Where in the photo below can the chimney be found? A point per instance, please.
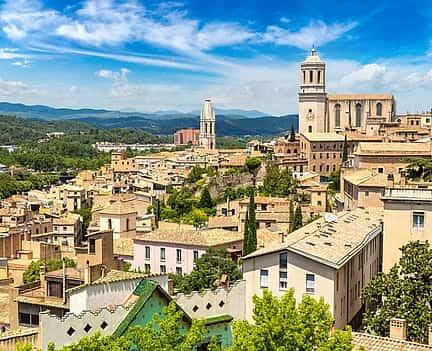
(398, 329)
(430, 335)
(42, 272)
(403, 178)
(87, 277)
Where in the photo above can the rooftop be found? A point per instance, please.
(323, 136)
(379, 343)
(187, 235)
(331, 239)
(410, 194)
(360, 96)
(366, 177)
(119, 208)
(393, 149)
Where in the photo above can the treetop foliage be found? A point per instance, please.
(32, 273)
(404, 292)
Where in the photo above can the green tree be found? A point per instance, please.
(85, 214)
(334, 180)
(252, 246)
(308, 328)
(246, 240)
(195, 174)
(252, 165)
(345, 150)
(404, 292)
(298, 218)
(278, 182)
(32, 273)
(292, 135)
(419, 168)
(198, 217)
(207, 270)
(205, 199)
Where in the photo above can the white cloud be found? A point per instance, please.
(315, 33)
(24, 63)
(21, 17)
(120, 76)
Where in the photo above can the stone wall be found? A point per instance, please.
(216, 302)
(71, 328)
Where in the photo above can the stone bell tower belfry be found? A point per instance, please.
(312, 95)
(207, 136)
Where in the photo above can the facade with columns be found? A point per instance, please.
(207, 136)
(321, 112)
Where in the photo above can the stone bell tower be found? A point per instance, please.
(312, 95)
(207, 136)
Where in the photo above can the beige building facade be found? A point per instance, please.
(331, 258)
(407, 217)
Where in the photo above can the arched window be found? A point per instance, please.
(337, 115)
(319, 76)
(310, 129)
(304, 76)
(358, 115)
(310, 76)
(109, 223)
(379, 109)
(127, 224)
(211, 131)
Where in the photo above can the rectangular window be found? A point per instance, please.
(418, 220)
(162, 269)
(310, 283)
(179, 271)
(195, 255)
(147, 252)
(92, 245)
(380, 170)
(264, 278)
(283, 260)
(147, 268)
(283, 280)
(162, 254)
(178, 256)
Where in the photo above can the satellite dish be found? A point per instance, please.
(330, 217)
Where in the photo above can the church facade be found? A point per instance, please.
(321, 112)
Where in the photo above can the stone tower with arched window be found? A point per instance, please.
(207, 136)
(312, 95)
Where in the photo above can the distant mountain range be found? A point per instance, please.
(232, 122)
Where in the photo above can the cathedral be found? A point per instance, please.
(321, 112)
(207, 135)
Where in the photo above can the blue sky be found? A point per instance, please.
(151, 55)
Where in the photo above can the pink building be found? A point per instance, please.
(186, 136)
(173, 248)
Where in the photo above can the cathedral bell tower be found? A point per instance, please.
(312, 95)
(207, 136)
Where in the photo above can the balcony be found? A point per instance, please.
(414, 194)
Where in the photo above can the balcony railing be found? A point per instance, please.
(408, 193)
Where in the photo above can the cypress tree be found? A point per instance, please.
(252, 223)
(291, 216)
(205, 199)
(292, 135)
(246, 235)
(345, 150)
(298, 218)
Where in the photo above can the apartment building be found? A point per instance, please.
(323, 151)
(332, 257)
(407, 217)
(173, 248)
(388, 158)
